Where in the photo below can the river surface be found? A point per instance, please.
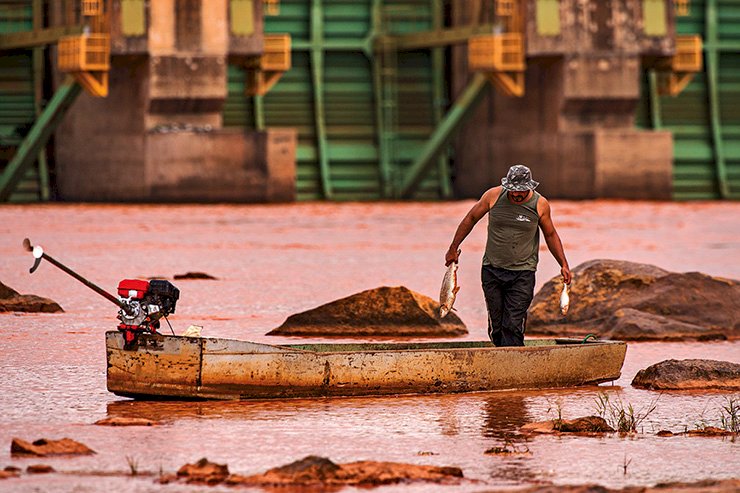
(274, 260)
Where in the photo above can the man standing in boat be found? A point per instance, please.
(516, 213)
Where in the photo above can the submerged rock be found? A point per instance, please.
(9, 474)
(689, 374)
(39, 469)
(384, 311)
(204, 471)
(121, 421)
(631, 301)
(44, 447)
(313, 470)
(194, 275)
(587, 424)
(317, 471)
(710, 431)
(12, 301)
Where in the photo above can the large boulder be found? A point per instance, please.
(384, 311)
(689, 374)
(631, 301)
(12, 301)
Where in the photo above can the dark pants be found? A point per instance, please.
(508, 294)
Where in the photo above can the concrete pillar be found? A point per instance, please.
(158, 137)
(574, 127)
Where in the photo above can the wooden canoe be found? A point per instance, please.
(212, 368)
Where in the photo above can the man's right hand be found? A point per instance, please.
(452, 255)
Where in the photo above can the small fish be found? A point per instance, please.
(564, 300)
(193, 331)
(449, 289)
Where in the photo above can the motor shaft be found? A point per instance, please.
(39, 254)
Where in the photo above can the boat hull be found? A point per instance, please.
(211, 368)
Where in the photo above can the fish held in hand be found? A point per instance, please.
(449, 290)
(564, 300)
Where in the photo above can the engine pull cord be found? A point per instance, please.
(168, 323)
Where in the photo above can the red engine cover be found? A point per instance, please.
(127, 285)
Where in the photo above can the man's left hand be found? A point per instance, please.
(565, 272)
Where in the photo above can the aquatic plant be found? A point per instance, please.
(624, 419)
(729, 415)
(558, 421)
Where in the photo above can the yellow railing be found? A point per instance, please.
(675, 73)
(92, 7)
(87, 52)
(682, 7)
(271, 7)
(688, 53)
(502, 58)
(87, 56)
(505, 8)
(496, 52)
(276, 55)
(264, 71)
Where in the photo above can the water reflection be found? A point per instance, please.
(504, 414)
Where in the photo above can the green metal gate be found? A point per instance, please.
(20, 71)
(705, 117)
(362, 112)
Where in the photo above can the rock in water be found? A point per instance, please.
(689, 374)
(630, 301)
(586, 424)
(12, 301)
(384, 311)
(204, 471)
(317, 471)
(194, 275)
(44, 447)
(122, 421)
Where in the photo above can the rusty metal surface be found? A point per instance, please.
(230, 369)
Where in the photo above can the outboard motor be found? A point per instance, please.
(141, 303)
(145, 302)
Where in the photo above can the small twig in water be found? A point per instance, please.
(625, 464)
(133, 464)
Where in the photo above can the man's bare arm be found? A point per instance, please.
(553, 239)
(470, 220)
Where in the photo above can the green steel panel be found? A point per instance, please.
(344, 83)
(21, 91)
(547, 14)
(238, 108)
(698, 141)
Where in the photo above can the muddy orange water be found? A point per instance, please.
(272, 261)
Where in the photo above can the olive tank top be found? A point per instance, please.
(513, 234)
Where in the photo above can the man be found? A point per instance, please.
(516, 213)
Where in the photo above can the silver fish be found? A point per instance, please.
(449, 290)
(564, 300)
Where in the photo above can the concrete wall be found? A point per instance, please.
(158, 136)
(574, 127)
